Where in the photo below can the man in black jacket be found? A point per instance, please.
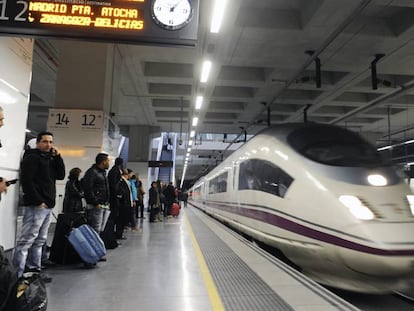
(114, 178)
(40, 168)
(96, 189)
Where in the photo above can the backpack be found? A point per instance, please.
(8, 279)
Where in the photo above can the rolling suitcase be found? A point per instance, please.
(61, 251)
(87, 243)
(175, 209)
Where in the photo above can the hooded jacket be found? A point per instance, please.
(38, 174)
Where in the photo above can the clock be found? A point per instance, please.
(171, 14)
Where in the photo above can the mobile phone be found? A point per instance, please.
(11, 182)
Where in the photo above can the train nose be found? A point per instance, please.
(380, 249)
(377, 265)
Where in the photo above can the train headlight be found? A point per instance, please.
(410, 199)
(377, 180)
(356, 207)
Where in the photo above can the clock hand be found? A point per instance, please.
(174, 6)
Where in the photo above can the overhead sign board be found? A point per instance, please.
(124, 21)
(160, 163)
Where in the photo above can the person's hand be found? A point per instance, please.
(43, 205)
(54, 152)
(3, 185)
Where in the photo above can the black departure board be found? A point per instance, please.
(124, 21)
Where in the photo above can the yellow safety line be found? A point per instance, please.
(208, 280)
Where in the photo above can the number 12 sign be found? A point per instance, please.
(76, 127)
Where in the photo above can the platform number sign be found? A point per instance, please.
(19, 17)
(62, 119)
(88, 119)
(74, 126)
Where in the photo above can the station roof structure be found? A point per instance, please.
(349, 63)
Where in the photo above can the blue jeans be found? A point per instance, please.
(35, 226)
(97, 217)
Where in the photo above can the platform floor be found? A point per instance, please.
(189, 263)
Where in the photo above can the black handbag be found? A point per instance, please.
(8, 280)
(31, 294)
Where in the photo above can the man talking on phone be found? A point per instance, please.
(39, 170)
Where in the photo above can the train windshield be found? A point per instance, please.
(335, 146)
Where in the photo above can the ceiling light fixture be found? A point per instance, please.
(396, 145)
(195, 121)
(218, 13)
(205, 71)
(199, 102)
(192, 134)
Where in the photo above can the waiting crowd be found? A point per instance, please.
(110, 203)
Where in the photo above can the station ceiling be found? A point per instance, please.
(265, 68)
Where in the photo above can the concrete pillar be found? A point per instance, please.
(86, 91)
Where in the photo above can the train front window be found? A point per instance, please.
(263, 176)
(334, 146)
(342, 154)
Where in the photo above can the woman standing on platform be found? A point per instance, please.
(72, 203)
(154, 203)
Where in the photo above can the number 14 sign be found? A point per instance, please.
(73, 126)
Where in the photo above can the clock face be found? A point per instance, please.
(171, 14)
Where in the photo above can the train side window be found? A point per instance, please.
(218, 184)
(263, 176)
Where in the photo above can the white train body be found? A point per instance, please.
(289, 188)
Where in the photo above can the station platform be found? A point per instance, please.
(188, 263)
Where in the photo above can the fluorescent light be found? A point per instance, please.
(396, 145)
(199, 102)
(187, 154)
(218, 13)
(189, 149)
(190, 142)
(205, 71)
(384, 148)
(192, 134)
(195, 121)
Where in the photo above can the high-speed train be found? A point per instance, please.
(325, 198)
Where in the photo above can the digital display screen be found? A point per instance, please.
(126, 21)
